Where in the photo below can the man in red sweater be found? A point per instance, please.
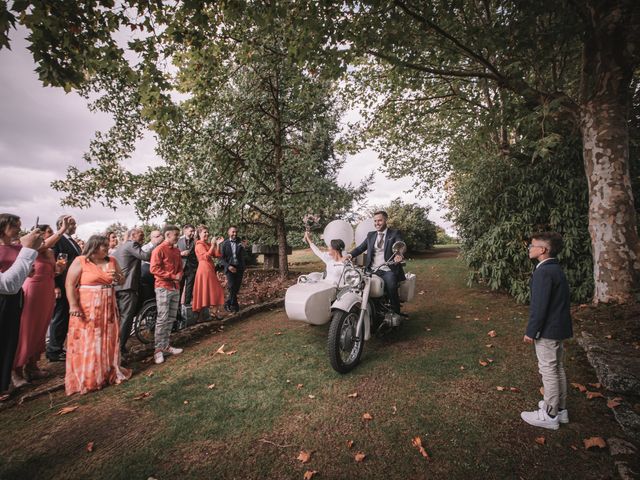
(166, 267)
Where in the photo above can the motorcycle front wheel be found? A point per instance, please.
(344, 348)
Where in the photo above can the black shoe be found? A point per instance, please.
(227, 308)
(57, 357)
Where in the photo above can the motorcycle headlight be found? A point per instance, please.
(352, 277)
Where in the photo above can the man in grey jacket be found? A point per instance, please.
(129, 255)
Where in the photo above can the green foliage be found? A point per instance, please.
(499, 201)
(418, 232)
(443, 238)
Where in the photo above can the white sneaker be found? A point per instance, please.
(158, 358)
(540, 418)
(173, 351)
(563, 415)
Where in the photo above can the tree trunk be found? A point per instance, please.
(604, 109)
(281, 232)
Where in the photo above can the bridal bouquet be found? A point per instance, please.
(311, 221)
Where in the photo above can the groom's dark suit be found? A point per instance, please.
(395, 273)
(60, 321)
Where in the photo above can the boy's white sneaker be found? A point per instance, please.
(173, 351)
(540, 418)
(563, 415)
(158, 358)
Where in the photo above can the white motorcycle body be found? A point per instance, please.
(349, 300)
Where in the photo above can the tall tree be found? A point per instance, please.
(572, 60)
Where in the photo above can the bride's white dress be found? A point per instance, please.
(334, 269)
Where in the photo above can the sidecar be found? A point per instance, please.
(310, 299)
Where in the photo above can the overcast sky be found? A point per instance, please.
(44, 130)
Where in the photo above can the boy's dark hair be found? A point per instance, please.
(170, 228)
(553, 239)
(337, 244)
(383, 213)
(187, 225)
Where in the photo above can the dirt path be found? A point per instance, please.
(248, 414)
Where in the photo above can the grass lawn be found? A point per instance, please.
(277, 395)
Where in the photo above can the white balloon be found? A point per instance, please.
(362, 229)
(338, 229)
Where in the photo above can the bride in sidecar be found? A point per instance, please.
(332, 258)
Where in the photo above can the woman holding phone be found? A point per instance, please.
(93, 347)
(39, 301)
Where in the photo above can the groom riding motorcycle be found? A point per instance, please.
(378, 246)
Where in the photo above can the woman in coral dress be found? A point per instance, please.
(39, 301)
(207, 291)
(93, 348)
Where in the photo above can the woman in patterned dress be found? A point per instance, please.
(93, 351)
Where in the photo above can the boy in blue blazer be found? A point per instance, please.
(549, 324)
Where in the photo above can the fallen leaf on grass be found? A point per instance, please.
(312, 397)
(417, 442)
(489, 345)
(186, 402)
(353, 395)
(579, 386)
(594, 442)
(608, 337)
(514, 389)
(458, 316)
(614, 402)
(492, 334)
(65, 410)
(90, 447)
(421, 292)
(278, 333)
(299, 386)
(349, 443)
(367, 416)
(231, 352)
(304, 456)
(221, 349)
(309, 474)
(142, 395)
(501, 389)
(394, 410)
(150, 374)
(592, 395)
(483, 363)
(212, 386)
(540, 440)
(360, 456)
(595, 385)
(461, 367)
(573, 447)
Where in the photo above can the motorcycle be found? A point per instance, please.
(355, 309)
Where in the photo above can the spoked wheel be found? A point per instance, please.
(145, 323)
(343, 346)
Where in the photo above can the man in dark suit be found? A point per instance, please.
(233, 262)
(129, 256)
(187, 246)
(378, 246)
(60, 321)
(549, 324)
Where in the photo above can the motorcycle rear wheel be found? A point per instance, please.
(343, 347)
